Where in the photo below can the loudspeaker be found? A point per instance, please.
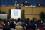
(9, 14)
(22, 14)
(10, 11)
(0, 11)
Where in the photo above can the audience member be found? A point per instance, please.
(26, 24)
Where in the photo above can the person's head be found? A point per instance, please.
(27, 19)
(19, 19)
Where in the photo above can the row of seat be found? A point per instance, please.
(23, 24)
(12, 2)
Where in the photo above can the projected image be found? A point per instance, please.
(3, 16)
(15, 13)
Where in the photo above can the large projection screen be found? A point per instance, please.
(15, 13)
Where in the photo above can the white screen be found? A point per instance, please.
(3, 16)
(15, 13)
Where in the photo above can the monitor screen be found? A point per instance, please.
(3, 16)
